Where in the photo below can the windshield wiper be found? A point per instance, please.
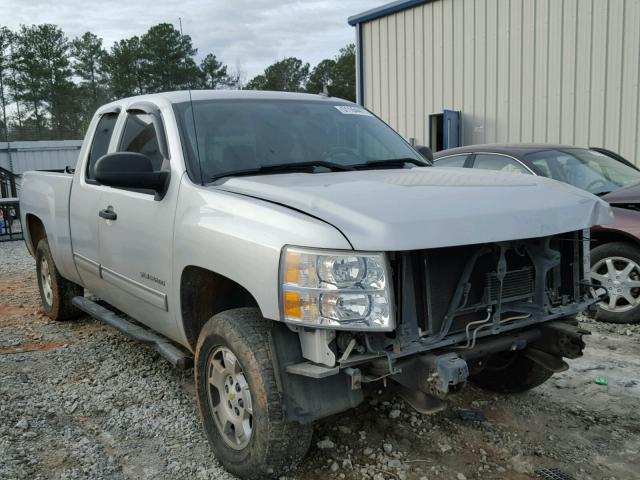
(392, 163)
(284, 168)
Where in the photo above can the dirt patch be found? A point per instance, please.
(31, 347)
(7, 311)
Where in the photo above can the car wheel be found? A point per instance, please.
(616, 268)
(239, 401)
(56, 292)
(510, 372)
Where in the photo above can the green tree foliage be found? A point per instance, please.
(159, 61)
(42, 76)
(321, 75)
(215, 75)
(344, 79)
(288, 75)
(123, 66)
(167, 59)
(339, 75)
(89, 55)
(6, 39)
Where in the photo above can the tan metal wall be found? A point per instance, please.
(553, 71)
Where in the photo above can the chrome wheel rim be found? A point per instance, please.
(45, 281)
(620, 277)
(229, 398)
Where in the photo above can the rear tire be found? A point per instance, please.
(56, 292)
(510, 372)
(622, 255)
(235, 375)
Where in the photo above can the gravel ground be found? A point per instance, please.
(79, 400)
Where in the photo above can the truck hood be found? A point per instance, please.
(387, 210)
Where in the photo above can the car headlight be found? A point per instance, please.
(336, 289)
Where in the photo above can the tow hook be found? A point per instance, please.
(426, 379)
(448, 370)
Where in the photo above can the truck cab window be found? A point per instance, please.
(140, 136)
(101, 139)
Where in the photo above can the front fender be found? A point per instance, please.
(241, 238)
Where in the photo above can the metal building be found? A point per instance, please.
(18, 157)
(550, 71)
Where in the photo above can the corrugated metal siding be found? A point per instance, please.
(552, 71)
(42, 155)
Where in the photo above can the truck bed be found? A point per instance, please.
(46, 195)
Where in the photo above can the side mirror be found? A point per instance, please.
(424, 151)
(131, 170)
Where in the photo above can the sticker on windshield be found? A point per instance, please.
(348, 110)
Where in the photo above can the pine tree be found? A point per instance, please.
(6, 39)
(167, 59)
(123, 66)
(288, 75)
(215, 74)
(42, 78)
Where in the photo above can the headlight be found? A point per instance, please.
(334, 289)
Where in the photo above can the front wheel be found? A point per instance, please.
(56, 292)
(238, 398)
(615, 267)
(510, 372)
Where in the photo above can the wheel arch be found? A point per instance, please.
(601, 237)
(35, 232)
(205, 293)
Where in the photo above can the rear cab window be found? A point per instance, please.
(100, 142)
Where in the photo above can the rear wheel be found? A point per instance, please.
(238, 398)
(616, 267)
(56, 292)
(510, 372)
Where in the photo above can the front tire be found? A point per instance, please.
(238, 398)
(56, 292)
(616, 267)
(510, 372)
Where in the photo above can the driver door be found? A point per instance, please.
(136, 242)
(85, 200)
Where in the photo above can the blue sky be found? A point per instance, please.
(246, 34)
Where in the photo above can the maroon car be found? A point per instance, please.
(615, 253)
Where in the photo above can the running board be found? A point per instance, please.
(163, 346)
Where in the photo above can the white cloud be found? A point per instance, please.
(249, 33)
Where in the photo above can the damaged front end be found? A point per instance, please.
(460, 312)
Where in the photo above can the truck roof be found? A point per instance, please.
(183, 96)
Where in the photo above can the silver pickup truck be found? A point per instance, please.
(296, 251)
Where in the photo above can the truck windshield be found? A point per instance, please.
(243, 135)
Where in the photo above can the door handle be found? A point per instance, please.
(108, 213)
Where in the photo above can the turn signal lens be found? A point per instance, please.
(292, 305)
(300, 306)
